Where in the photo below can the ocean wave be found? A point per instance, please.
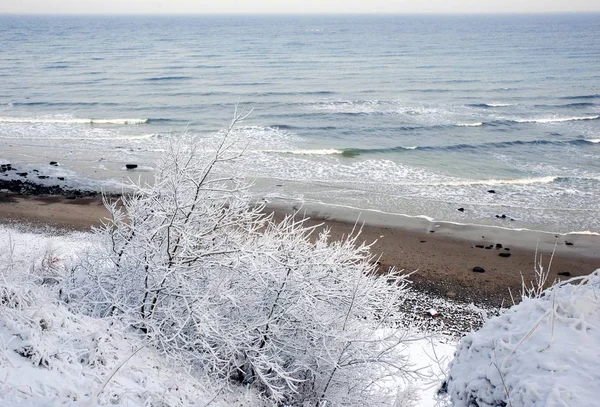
(371, 107)
(323, 151)
(71, 120)
(353, 152)
(486, 105)
(592, 96)
(167, 78)
(569, 105)
(64, 104)
(291, 127)
(478, 124)
(513, 181)
(292, 93)
(504, 144)
(556, 119)
(346, 152)
(59, 66)
(584, 232)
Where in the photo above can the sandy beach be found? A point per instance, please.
(440, 255)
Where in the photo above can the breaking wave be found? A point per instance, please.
(355, 152)
(323, 151)
(478, 124)
(486, 105)
(71, 121)
(557, 119)
(514, 181)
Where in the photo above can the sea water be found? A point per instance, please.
(415, 115)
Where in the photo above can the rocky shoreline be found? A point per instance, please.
(34, 182)
(464, 263)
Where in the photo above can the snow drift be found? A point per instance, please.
(541, 352)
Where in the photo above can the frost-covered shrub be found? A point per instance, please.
(50, 356)
(541, 352)
(192, 263)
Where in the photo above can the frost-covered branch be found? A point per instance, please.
(193, 263)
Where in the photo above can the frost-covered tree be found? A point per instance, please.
(192, 263)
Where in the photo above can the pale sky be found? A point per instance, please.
(293, 6)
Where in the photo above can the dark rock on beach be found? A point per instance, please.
(478, 269)
(498, 246)
(25, 187)
(55, 163)
(569, 243)
(491, 191)
(504, 254)
(461, 209)
(565, 274)
(131, 166)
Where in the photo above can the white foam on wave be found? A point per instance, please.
(593, 140)
(323, 151)
(515, 181)
(477, 124)
(584, 232)
(557, 119)
(70, 120)
(498, 104)
(78, 136)
(370, 107)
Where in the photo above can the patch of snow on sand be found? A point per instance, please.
(541, 352)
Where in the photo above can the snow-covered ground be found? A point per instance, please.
(545, 351)
(51, 356)
(542, 352)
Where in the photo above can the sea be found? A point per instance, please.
(414, 115)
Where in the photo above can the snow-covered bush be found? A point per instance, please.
(192, 263)
(50, 356)
(541, 352)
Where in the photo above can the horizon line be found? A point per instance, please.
(246, 13)
(292, 14)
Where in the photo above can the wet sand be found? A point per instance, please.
(442, 255)
(54, 211)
